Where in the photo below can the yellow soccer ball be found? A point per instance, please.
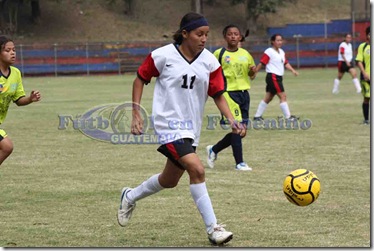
(301, 187)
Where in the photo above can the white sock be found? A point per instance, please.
(357, 84)
(201, 197)
(285, 109)
(336, 86)
(148, 187)
(261, 108)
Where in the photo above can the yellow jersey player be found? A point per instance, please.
(237, 65)
(11, 89)
(363, 62)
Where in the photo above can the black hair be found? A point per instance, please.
(367, 30)
(224, 32)
(345, 36)
(3, 41)
(272, 38)
(189, 17)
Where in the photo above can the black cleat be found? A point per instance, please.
(258, 118)
(293, 118)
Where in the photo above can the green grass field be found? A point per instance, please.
(60, 188)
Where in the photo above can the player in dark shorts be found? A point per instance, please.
(180, 93)
(345, 64)
(274, 59)
(363, 61)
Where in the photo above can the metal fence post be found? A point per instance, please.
(297, 36)
(119, 59)
(87, 60)
(21, 52)
(55, 51)
(326, 53)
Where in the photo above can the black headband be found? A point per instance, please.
(194, 24)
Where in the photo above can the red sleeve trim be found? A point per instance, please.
(285, 60)
(216, 83)
(147, 69)
(264, 59)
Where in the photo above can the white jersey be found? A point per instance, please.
(345, 49)
(181, 91)
(274, 61)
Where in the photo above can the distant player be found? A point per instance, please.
(363, 62)
(11, 90)
(274, 59)
(345, 64)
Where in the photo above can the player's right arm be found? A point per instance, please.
(146, 71)
(137, 92)
(342, 53)
(263, 61)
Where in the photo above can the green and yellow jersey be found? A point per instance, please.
(235, 66)
(363, 56)
(11, 89)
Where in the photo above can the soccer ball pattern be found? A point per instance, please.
(301, 187)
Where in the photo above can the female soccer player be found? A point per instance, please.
(275, 60)
(186, 74)
(237, 65)
(345, 64)
(363, 62)
(11, 89)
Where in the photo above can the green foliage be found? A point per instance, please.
(259, 7)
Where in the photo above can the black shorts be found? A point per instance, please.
(239, 103)
(177, 149)
(343, 67)
(274, 83)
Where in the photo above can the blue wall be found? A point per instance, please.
(335, 27)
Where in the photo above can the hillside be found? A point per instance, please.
(95, 21)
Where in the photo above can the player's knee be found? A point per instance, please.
(7, 149)
(283, 97)
(168, 182)
(197, 174)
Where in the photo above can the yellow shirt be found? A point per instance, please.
(11, 89)
(363, 55)
(235, 66)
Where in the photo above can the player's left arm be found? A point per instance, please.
(289, 67)
(33, 97)
(252, 67)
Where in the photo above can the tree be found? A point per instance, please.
(35, 11)
(9, 14)
(129, 6)
(197, 6)
(256, 8)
